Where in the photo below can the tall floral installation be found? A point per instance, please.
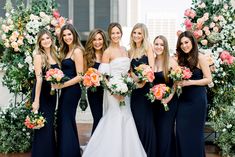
(213, 24)
(18, 33)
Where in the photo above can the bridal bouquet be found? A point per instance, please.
(144, 73)
(92, 79)
(120, 86)
(55, 76)
(180, 73)
(159, 92)
(34, 120)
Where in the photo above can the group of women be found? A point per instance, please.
(138, 129)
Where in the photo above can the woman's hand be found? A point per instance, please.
(167, 100)
(119, 97)
(141, 84)
(184, 83)
(35, 106)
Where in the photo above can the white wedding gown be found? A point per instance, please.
(116, 134)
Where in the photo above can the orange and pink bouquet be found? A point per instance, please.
(144, 73)
(180, 73)
(55, 76)
(92, 79)
(159, 92)
(34, 120)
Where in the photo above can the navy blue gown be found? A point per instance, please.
(190, 119)
(165, 121)
(44, 139)
(68, 142)
(142, 110)
(96, 102)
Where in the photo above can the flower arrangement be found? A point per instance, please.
(14, 135)
(212, 23)
(34, 120)
(144, 73)
(18, 32)
(120, 86)
(55, 76)
(159, 92)
(180, 73)
(92, 79)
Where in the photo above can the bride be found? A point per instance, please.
(116, 134)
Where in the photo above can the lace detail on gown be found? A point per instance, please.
(116, 133)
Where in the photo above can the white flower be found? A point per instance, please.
(20, 65)
(229, 126)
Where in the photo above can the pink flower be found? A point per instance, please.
(56, 14)
(188, 24)
(224, 55)
(216, 29)
(197, 33)
(190, 13)
(202, 5)
(186, 73)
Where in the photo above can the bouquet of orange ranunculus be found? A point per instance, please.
(122, 86)
(55, 76)
(92, 79)
(180, 73)
(159, 92)
(144, 73)
(34, 120)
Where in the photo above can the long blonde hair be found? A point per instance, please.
(64, 48)
(89, 55)
(166, 56)
(40, 50)
(134, 53)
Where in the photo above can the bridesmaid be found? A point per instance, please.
(94, 48)
(142, 110)
(45, 58)
(192, 103)
(71, 55)
(164, 120)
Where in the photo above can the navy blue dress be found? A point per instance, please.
(190, 119)
(68, 142)
(142, 110)
(96, 102)
(44, 139)
(165, 122)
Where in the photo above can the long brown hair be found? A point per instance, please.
(40, 50)
(187, 59)
(166, 56)
(89, 55)
(64, 48)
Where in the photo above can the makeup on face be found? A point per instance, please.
(68, 37)
(186, 44)
(98, 42)
(158, 46)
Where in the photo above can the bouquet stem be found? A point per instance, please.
(52, 92)
(83, 102)
(178, 90)
(166, 107)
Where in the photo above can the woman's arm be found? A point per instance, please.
(207, 78)
(38, 73)
(151, 58)
(78, 59)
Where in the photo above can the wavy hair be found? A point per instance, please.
(40, 50)
(89, 54)
(187, 59)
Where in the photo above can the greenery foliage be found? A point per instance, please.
(212, 22)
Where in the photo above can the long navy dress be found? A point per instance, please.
(190, 119)
(68, 142)
(44, 139)
(96, 102)
(142, 110)
(165, 122)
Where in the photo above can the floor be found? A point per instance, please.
(84, 134)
